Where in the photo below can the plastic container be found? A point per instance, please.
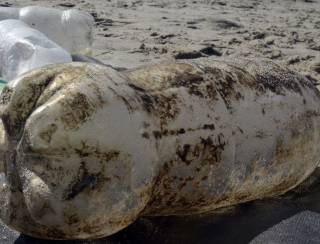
(23, 48)
(71, 29)
(9, 13)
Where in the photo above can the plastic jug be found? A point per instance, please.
(9, 13)
(23, 48)
(71, 29)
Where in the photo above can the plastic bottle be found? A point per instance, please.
(23, 48)
(71, 29)
(9, 13)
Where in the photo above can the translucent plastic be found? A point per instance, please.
(71, 29)
(23, 48)
(9, 13)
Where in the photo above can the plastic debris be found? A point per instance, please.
(87, 150)
(72, 29)
(23, 48)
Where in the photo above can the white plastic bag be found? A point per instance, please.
(23, 49)
(71, 29)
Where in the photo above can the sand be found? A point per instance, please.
(130, 33)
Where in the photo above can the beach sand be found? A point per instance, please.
(130, 33)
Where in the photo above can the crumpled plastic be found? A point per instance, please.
(71, 29)
(23, 49)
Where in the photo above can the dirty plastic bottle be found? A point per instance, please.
(71, 29)
(23, 48)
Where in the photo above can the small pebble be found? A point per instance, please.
(210, 51)
(316, 66)
(294, 59)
